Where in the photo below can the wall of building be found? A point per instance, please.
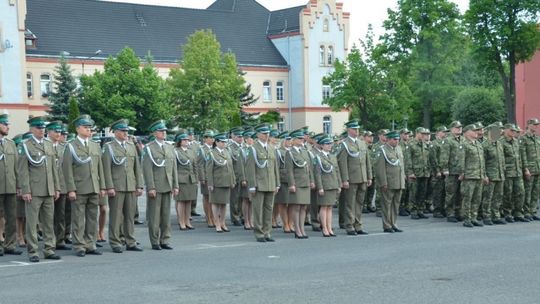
(11, 52)
(528, 90)
(291, 48)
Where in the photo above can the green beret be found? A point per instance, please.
(263, 128)
(4, 119)
(422, 130)
(96, 138)
(131, 130)
(392, 135)
(37, 121)
(299, 133)
(343, 134)
(56, 126)
(455, 124)
(122, 125)
(159, 125)
(352, 124)
(325, 140)
(533, 121)
(70, 136)
(83, 120)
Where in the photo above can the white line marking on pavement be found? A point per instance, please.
(22, 264)
(273, 256)
(212, 246)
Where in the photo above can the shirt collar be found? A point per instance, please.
(121, 143)
(353, 139)
(37, 140)
(83, 141)
(262, 144)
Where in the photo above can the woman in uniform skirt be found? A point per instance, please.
(328, 181)
(186, 164)
(300, 181)
(244, 192)
(282, 197)
(221, 180)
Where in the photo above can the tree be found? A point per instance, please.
(124, 90)
(73, 113)
(504, 33)
(65, 88)
(206, 88)
(423, 42)
(478, 104)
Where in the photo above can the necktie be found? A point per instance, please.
(86, 144)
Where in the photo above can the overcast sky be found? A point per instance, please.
(363, 12)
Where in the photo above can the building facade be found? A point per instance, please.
(528, 90)
(285, 54)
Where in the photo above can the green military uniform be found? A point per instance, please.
(438, 193)
(530, 154)
(186, 167)
(282, 197)
(8, 190)
(513, 183)
(404, 203)
(450, 154)
(160, 174)
(355, 168)
(194, 148)
(314, 196)
(298, 164)
(472, 172)
(262, 173)
(327, 176)
(220, 175)
(38, 177)
(418, 165)
(122, 173)
(83, 174)
(493, 191)
(390, 178)
(235, 151)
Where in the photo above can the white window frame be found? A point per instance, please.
(29, 85)
(280, 91)
(327, 124)
(281, 124)
(322, 55)
(45, 85)
(267, 91)
(330, 55)
(326, 91)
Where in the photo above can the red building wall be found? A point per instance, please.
(528, 90)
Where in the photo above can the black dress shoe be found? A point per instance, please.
(246, 228)
(415, 216)
(190, 227)
(13, 251)
(307, 224)
(98, 245)
(165, 246)
(94, 252)
(351, 232)
(499, 222)
(53, 257)
(117, 250)
(62, 247)
(451, 219)
(423, 216)
(102, 241)
(80, 253)
(317, 229)
(68, 241)
(521, 219)
(388, 230)
(269, 239)
(396, 229)
(134, 248)
(211, 226)
(361, 232)
(535, 218)
(156, 247)
(195, 214)
(467, 224)
(509, 219)
(261, 240)
(34, 259)
(137, 222)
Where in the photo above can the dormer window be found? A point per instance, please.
(30, 40)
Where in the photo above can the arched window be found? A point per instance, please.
(45, 85)
(321, 55)
(325, 25)
(327, 124)
(330, 55)
(279, 91)
(267, 91)
(29, 85)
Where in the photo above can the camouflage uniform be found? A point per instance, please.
(529, 146)
(437, 181)
(513, 184)
(418, 165)
(449, 156)
(473, 170)
(493, 191)
(404, 207)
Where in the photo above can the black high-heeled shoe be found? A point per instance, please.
(225, 229)
(180, 227)
(332, 235)
(296, 236)
(190, 227)
(326, 235)
(305, 237)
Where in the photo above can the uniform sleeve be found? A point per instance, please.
(523, 152)
(444, 157)
(409, 155)
(139, 183)
(201, 164)
(148, 171)
(369, 168)
(106, 160)
(289, 167)
(343, 164)
(67, 169)
(56, 175)
(250, 169)
(317, 175)
(23, 177)
(461, 160)
(101, 175)
(175, 170)
(209, 172)
(380, 168)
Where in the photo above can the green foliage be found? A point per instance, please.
(208, 89)
(479, 104)
(271, 117)
(504, 33)
(124, 90)
(65, 88)
(72, 114)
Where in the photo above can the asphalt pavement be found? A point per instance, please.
(432, 261)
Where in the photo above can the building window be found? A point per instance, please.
(326, 92)
(327, 124)
(279, 91)
(330, 55)
(281, 124)
(267, 91)
(45, 84)
(325, 25)
(321, 55)
(29, 85)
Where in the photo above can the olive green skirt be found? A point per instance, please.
(302, 196)
(221, 196)
(328, 199)
(282, 197)
(188, 192)
(204, 189)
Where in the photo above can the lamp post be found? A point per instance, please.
(95, 54)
